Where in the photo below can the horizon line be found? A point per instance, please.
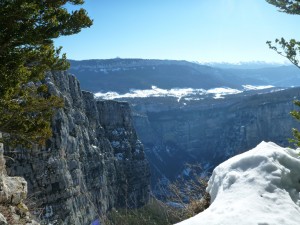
(286, 62)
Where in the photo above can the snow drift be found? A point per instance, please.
(259, 187)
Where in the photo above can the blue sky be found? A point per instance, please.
(194, 30)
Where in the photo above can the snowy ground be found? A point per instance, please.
(258, 187)
(179, 92)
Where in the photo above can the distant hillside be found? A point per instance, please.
(281, 76)
(245, 65)
(122, 75)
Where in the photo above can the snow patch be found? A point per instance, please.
(119, 131)
(251, 87)
(260, 186)
(119, 156)
(187, 93)
(174, 92)
(115, 144)
(153, 92)
(220, 92)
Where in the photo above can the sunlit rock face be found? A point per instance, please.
(13, 194)
(93, 162)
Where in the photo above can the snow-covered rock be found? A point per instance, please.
(258, 187)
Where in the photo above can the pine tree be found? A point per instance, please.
(289, 49)
(27, 52)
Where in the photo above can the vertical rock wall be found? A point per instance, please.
(209, 132)
(93, 162)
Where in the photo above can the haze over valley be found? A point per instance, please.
(187, 113)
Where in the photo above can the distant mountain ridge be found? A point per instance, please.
(245, 65)
(123, 75)
(281, 76)
(129, 62)
(126, 63)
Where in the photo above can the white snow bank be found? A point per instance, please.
(174, 92)
(249, 87)
(258, 187)
(220, 92)
(153, 92)
(178, 92)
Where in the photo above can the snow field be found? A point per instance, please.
(258, 187)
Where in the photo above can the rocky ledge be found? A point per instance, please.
(13, 194)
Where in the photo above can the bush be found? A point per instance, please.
(184, 199)
(154, 213)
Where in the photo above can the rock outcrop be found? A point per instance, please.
(13, 194)
(93, 162)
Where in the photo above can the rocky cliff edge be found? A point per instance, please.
(94, 162)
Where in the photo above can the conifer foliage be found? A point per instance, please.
(27, 52)
(289, 49)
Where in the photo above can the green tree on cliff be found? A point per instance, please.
(27, 52)
(290, 49)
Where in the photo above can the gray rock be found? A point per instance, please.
(2, 220)
(13, 191)
(77, 176)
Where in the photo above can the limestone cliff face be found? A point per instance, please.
(93, 162)
(209, 134)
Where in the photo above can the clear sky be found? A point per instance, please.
(194, 30)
